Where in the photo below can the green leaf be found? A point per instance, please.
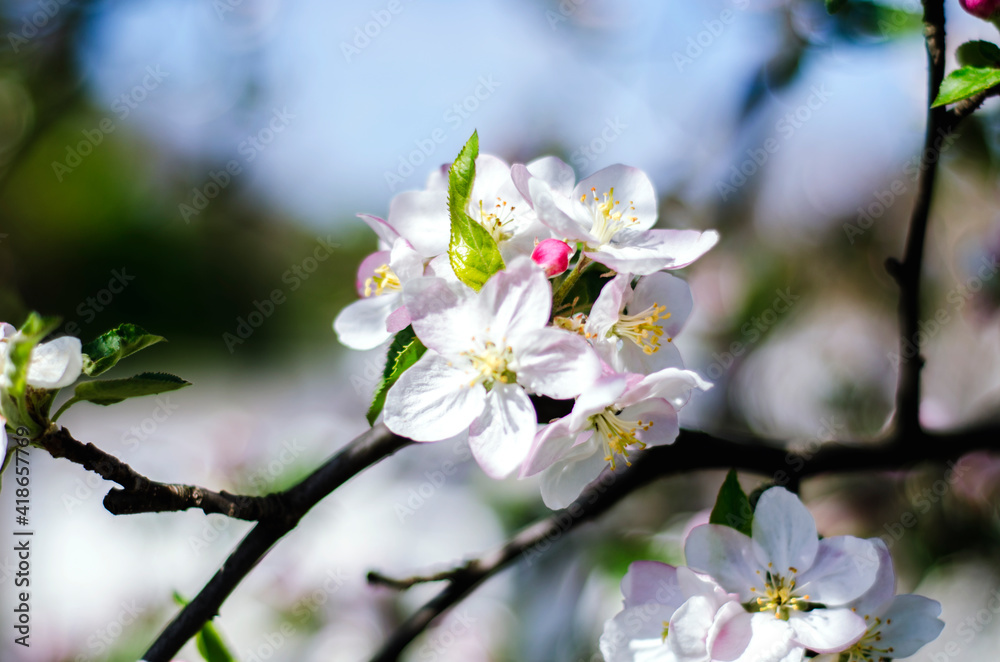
(978, 54)
(966, 82)
(208, 640)
(104, 352)
(732, 507)
(472, 251)
(834, 6)
(19, 404)
(404, 351)
(110, 391)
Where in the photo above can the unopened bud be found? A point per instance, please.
(984, 9)
(553, 256)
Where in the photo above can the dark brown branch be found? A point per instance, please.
(693, 450)
(142, 495)
(966, 107)
(366, 450)
(907, 273)
(378, 579)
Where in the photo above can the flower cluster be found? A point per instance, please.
(769, 596)
(499, 284)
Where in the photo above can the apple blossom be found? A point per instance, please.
(619, 413)
(54, 364)
(784, 570)
(486, 351)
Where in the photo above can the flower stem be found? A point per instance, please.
(570, 281)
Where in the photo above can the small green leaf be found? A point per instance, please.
(208, 640)
(104, 352)
(834, 6)
(978, 54)
(472, 251)
(30, 334)
(732, 507)
(966, 82)
(404, 351)
(111, 391)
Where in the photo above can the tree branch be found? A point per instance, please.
(692, 450)
(369, 448)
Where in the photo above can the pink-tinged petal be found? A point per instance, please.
(665, 290)
(606, 311)
(648, 582)
(518, 301)
(367, 269)
(554, 172)
(643, 253)
(565, 480)
(659, 421)
(877, 598)
(827, 630)
(689, 627)
(686, 246)
(551, 444)
(445, 316)
(844, 568)
(552, 255)
(397, 320)
(56, 364)
(6, 330)
(632, 187)
(727, 555)
(910, 622)
(501, 436)
(549, 211)
(730, 633)
(406, 263)
(422, 218)
(386, 234)
(432, 401)
(671, 384)
(555, 363)
(695, 583)
(785, 532)
(362, 324)
(636, 635)
(596, 398)
(631, 357)
(771, 641)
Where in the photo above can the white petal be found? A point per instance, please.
(501, 436)
(666, 290)
(785, 532)
(362, 324)
(518, 299)
(547, 207)
(844, 568)
(552, 443)
(771, 641)
(555, 363)
(877, 598)
(727, 555)
(689, 627)
(446, 316)
(406, 263)
(645, 252)
(636, 635)
(367, 269)
(672, 384)
(554, 172)
(730, 633)
(432, 401)
(422, 218)
(606, 311)
(910, 622)
(660, 419)
(651, 582)
(596, 398)
(3, 439)
(563, 482)
(56, 364)
(827, 630)
(387, 234)
(632, 187)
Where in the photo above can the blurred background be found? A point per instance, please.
(173, 164)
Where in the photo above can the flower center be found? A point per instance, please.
(491, 364)
(870, 648)
(577, 324)
(495, 219)
(641, 328)
(608, 215)
(617, 434)
(383, 280)
(778, 595)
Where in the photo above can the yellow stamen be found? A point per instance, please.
(383, 280)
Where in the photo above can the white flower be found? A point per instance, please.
(618, 413)
(368, 323)
(486, 351)
(633, 330)
(898, 625)
(54, 364)
(612, 213)
(784, 570)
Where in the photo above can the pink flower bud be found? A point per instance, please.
(984, 9)
(553, 256)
